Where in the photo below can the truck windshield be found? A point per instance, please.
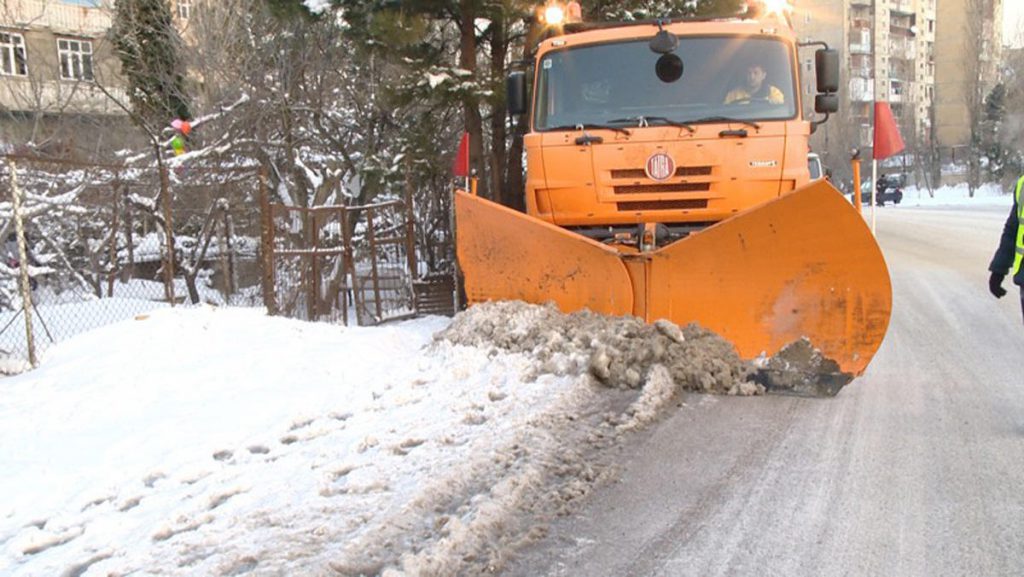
(723, 76)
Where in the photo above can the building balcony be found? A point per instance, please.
(862, 90)
(902, 49)
(860, 72)
(860, 48)
(59, 97)
(868, 3)
(902, 7)
(899, 91)
(901, 32)
(57, 17)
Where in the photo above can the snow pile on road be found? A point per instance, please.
(617, 351)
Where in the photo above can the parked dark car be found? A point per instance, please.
(888, 188)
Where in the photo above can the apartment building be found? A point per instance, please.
(52, 55)
(887, 47)
(58, 68)
(968, 52)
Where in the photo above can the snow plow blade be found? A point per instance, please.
(803, 268)
(507, 255)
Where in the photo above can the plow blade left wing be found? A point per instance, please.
(507, 255)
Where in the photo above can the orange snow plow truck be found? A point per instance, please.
(667, 177)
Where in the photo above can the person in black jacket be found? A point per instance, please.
(1006, 255)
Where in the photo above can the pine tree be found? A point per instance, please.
(611, 10)
(148, 46)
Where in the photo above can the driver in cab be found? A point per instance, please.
(755, 88)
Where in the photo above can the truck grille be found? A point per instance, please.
(667, 187)
(663, 205)
(680, 172)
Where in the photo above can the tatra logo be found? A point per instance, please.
(660, 166)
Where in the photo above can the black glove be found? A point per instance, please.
(995, 285)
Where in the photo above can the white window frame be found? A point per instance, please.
(74, 57)
(184, 9)
(12, 47)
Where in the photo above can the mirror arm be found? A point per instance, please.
(812, 43)
(815, 123)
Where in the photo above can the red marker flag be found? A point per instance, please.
(887, 135)
(460, 167)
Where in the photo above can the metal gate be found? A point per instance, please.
(332, 262)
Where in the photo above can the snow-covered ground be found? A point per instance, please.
(220, 441)
(987, 194)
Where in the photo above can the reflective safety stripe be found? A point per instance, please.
(1019, 257)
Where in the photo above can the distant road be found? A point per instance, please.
(915, 469)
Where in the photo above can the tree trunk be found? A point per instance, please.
(471, 107)
(499, 47)
(514, 184)
(190, 283)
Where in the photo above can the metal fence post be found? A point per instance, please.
(313, 286)
(26, 290)
(114, 226)
(371, 237)
(349, 264)
(410, 218)
(267, 217)
(165, 193)
(129, 232)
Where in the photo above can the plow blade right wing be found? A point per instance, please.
(802, 266)
(507, 255)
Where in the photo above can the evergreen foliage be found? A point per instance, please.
(649, 9)
(149, 48)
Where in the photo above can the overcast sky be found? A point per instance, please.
(1013, 22)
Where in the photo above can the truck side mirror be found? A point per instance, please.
(826, 68)
(826, 103)
(515, 92)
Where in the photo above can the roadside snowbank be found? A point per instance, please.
(957, 195)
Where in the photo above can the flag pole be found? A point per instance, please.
(874, 191)
(887, 142)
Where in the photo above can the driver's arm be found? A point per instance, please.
(775, 95)
(734, 95)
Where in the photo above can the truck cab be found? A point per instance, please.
(623, 132)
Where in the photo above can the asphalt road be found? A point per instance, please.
(915, 469)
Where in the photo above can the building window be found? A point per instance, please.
(12, 55)
(184, 9)
(75, 59)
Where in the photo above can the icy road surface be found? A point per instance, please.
(915, 469)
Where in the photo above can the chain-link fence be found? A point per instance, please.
(94, 240)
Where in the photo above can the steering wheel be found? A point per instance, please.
(751, 99)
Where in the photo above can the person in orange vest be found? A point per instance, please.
(1007, 258)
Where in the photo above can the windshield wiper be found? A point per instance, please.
(714, 119)
(646, 120)
(590, 126)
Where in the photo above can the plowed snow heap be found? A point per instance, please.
(616, 351)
